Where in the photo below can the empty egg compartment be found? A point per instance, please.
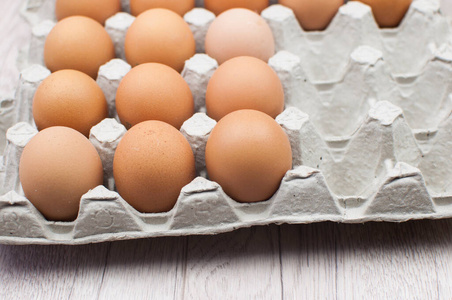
(325, 54)
(362, 135)
(371, 145)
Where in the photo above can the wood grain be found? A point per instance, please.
(411, 260)
(55, 272)
(393, 256)
(14, 34)
(399, 257)
(245, 262)
(371, 261)
(308, 255)
(144, 269)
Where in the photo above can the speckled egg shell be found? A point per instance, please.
(162, 36)
(56, 168)
(181, 7)
(152, 163)
(244, 83)
(248, 154)
(154, 92)
(78, 43)
(69, 98)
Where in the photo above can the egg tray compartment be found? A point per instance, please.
(383, 171)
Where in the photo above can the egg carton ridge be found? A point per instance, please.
(324, 54)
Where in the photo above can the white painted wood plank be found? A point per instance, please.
(144, 269)
(244, 264)
(443, 237)
(394, 261)
(14, 34)
(54, 272)
(308, 261)
(374, 261)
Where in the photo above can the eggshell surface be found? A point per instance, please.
(69, 98)
(154, 91)
(152, 163)
(219, 6)
(388, 13)
(244, 83)
(181, 7)
(313, 15)
(239, 32)
(159, 35)
(78, 43)
(56, 168)
(248, 154)
(99, 10)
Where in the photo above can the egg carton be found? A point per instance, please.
(370, 146)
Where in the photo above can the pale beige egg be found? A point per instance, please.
(239, 32)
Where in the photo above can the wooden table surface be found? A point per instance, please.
(411, 260)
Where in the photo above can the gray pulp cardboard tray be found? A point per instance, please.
(368, 114)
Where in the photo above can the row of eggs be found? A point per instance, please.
(247, 152)
(154, 91)
(312, 15)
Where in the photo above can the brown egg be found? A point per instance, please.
(181, 7)
(56, 168)
(162, 36)
(239, 32)
(100, 10)
(388, 13)
(313, 15)
(152, 163)
(244, 82)
(78, 43)
(248, 154)
(154, 92)
(219, 6)
(69, 98)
